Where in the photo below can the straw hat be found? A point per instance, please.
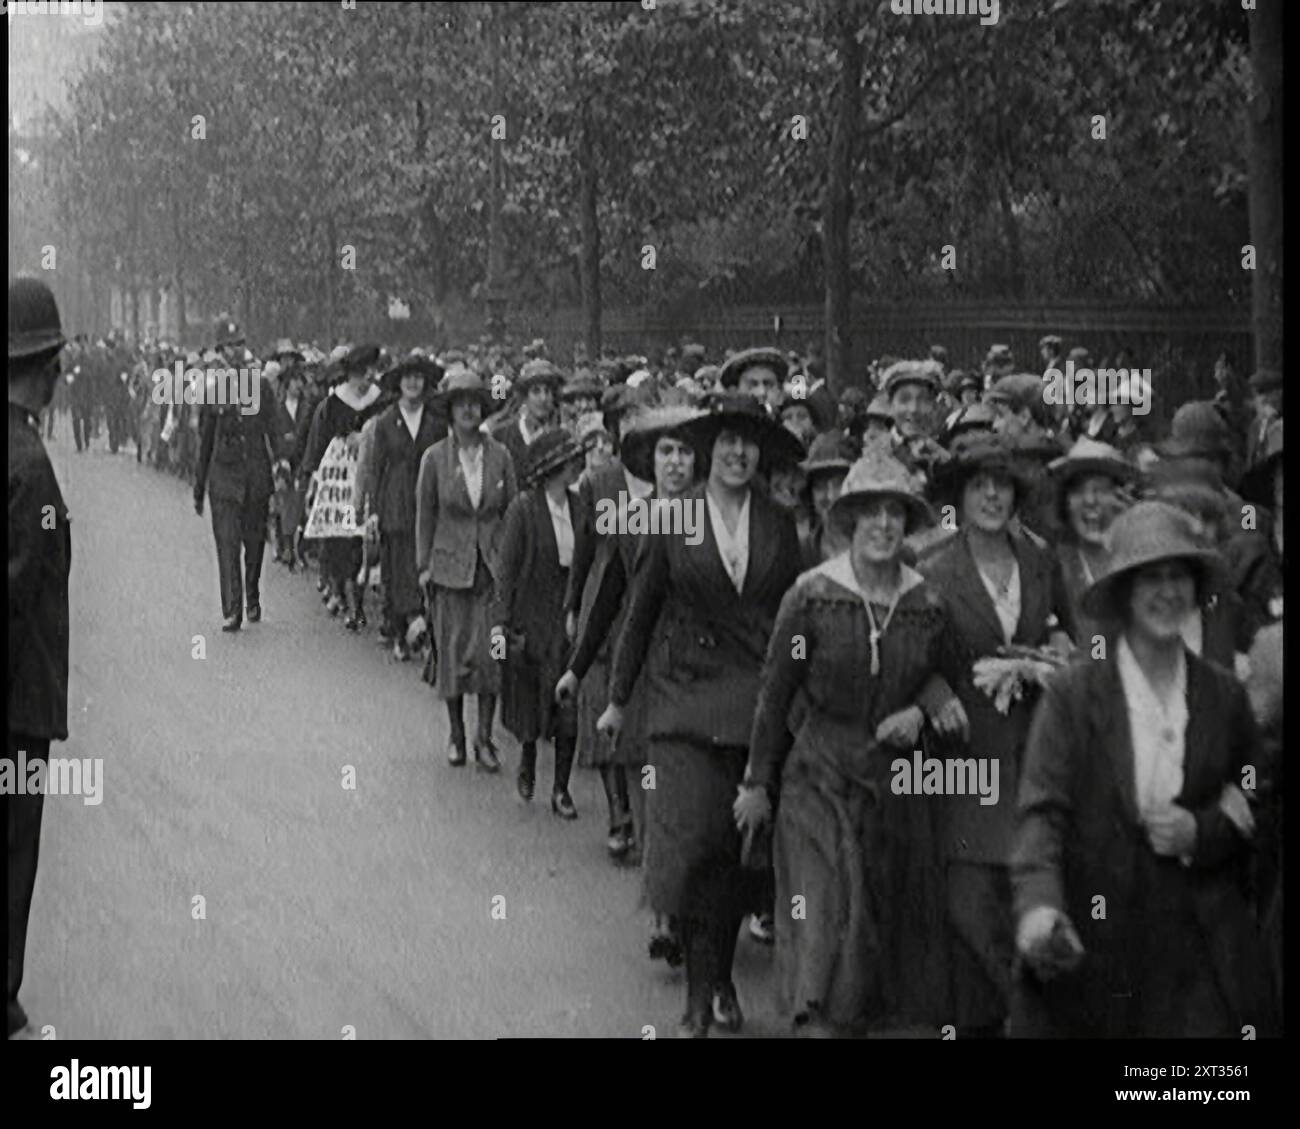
(1088, 456)
(1144, 534)
(539, 372)
(644, 431)
(549, 451)
(876, 475)
(460, 381)
(734, 366)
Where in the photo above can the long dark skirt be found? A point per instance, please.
(692, 847)
(461, 638)
(397, 564)
(595, 750)
(340, 560)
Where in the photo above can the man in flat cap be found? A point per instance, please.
(40, 557)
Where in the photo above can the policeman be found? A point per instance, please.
(40, 555)
(236, 451)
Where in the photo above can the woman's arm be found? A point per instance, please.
(604, 609)
(650, 580)
(426, 508)
(783, 674)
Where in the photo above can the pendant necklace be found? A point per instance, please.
(878, 631)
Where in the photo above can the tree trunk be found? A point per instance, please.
(837, 207)
(589, 259)
(1264, 163)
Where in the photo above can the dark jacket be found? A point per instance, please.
(235, 450)
(506, 432)
(297, 426)
(40, 558)
(1080, 837)
(703, 645)
(592, 551)
(528, 602)
(976, 832)
(449, 533)
(395, 463)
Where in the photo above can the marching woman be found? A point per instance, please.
(528, 609)
(1003, 591)
(1130, 862)
(702, 606)
(342, 414)
(829, 459)
(653, 452)
(1093, 484)
(855, 668)
(403, 432)
(464, 485)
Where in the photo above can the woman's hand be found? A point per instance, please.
(570, 626)
(1047, 940)
(1171, 832)
(567, 688)
(1235, 806)
(426, 576)
(950, 721)
(610, 723)
(901, 729)
(752, 807)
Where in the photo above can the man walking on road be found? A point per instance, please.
(235, 455)
(40, 556)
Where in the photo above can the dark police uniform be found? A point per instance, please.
(235, 452)
(40, 557)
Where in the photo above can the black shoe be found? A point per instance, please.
(694, 1025)
(525, 785)
(485, 757)
(231, 623)
(456, 755)
(727, 1015)
(562, 804)
(254, 613)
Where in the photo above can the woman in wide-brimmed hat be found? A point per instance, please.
(655, 454)
(464, 485)
(829, 458)
(703, 599)
(1004, 594)
(1131, 793)
(402, 434)
(855, 669)
(1094, 485)
(537, 545)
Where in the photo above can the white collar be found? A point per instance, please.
(370, 395)
(1137, 687)
(839, 569)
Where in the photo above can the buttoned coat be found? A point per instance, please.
(1080, 837)
(235, 450)
(975, 832)
(449, 532)
(702, 644)
(395, 463)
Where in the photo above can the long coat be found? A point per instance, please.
(450, 534)
(975, 832)
(528, 602)
(235, 449)
(1173, 950)
(701, 643)
(40, 559)
(394, 464)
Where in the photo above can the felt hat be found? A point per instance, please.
(359, 359)
(460, 381)
(391, 380)
(1089, 457)
(735, 365)
(539, 371)
(34, 326)
(1017, 390)
(1144, 534)
(549, 451)
(967, 419)
(830, 452)
(818, 410)
(980, 452)
(925, 373)
(645, 429)
(739, 411)
(878, 474)
(1198, 430)
(583, 385)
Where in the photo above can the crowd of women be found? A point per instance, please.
(940, 568)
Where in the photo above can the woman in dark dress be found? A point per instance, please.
(855, 668)
(342, 415)
(403, 432)
(701, 612)
(1131, 856)
(465, 483)
(528, 610)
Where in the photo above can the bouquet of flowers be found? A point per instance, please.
(1005, 676)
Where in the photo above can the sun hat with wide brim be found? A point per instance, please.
(762, 357)
(548, 452)
(1087, 457)
(391, 380)
(645, 429)
(739, 411)
(1144, 534)
(460, 382)
(876, 475)
(981, 452)
(1257, 482)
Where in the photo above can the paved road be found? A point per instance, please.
(325, 907)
